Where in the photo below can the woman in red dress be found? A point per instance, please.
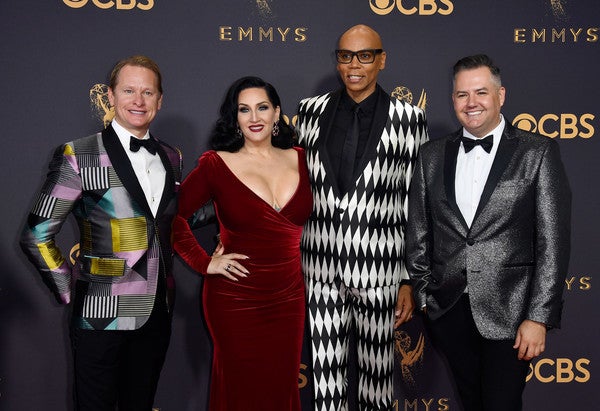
(253, 295)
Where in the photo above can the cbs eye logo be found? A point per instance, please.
(107, 4)
(560, 370)
(422, 7)
(564, 126)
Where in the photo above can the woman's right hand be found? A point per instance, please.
(227, 265)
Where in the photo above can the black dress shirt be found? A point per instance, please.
(343, 121)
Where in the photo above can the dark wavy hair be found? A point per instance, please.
(225, 137)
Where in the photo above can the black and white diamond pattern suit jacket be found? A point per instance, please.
(359, 236)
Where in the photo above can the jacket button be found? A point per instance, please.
(470, 241)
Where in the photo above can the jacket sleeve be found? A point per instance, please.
(419, 235)
(300, 124)
(552, 225)
(59, 193)
(204, 216)
(414, 141)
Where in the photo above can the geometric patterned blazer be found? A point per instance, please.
(358, 236)
(123, 247)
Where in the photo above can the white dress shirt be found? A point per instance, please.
(148, 168)
(472, 170)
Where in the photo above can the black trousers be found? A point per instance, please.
(120, 368)
(488, 374)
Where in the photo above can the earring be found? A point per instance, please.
(275, 129)
(238, 133)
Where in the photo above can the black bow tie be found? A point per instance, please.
(149, 144)
(486, 143)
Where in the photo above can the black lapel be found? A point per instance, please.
(506, 149)
(168, 190)
(122, 166)
(450, 157)
(325, 124)
(380, 119)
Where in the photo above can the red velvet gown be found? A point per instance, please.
(257, 323)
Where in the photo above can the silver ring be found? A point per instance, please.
(228, 267)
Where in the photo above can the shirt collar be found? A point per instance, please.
(366, 106)
(124, 135)
(496, 132)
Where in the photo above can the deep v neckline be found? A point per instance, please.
(254, 194)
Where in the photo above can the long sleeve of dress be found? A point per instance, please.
(194, 193)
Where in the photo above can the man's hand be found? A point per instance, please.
(530, 340)
(405, 305)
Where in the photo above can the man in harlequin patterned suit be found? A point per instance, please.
(121, 186)
(360, 146)
(488, 240)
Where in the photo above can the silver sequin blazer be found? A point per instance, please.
(514, 257)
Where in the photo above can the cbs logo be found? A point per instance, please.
(561, 370)
(107, 4)
(563, 125)
(409, 7)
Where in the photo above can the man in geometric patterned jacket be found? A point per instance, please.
(353, 243)
(121, 186)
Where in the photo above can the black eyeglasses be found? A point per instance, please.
(364, 56)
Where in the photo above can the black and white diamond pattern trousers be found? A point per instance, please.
(334, 312)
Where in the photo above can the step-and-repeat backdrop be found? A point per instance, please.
(54, 60)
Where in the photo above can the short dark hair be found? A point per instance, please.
(225, 136)
(476, 61)
(138, 61)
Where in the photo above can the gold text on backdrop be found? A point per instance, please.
(556, 35)
(266, 34)
(581, 283)
(424, 404)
